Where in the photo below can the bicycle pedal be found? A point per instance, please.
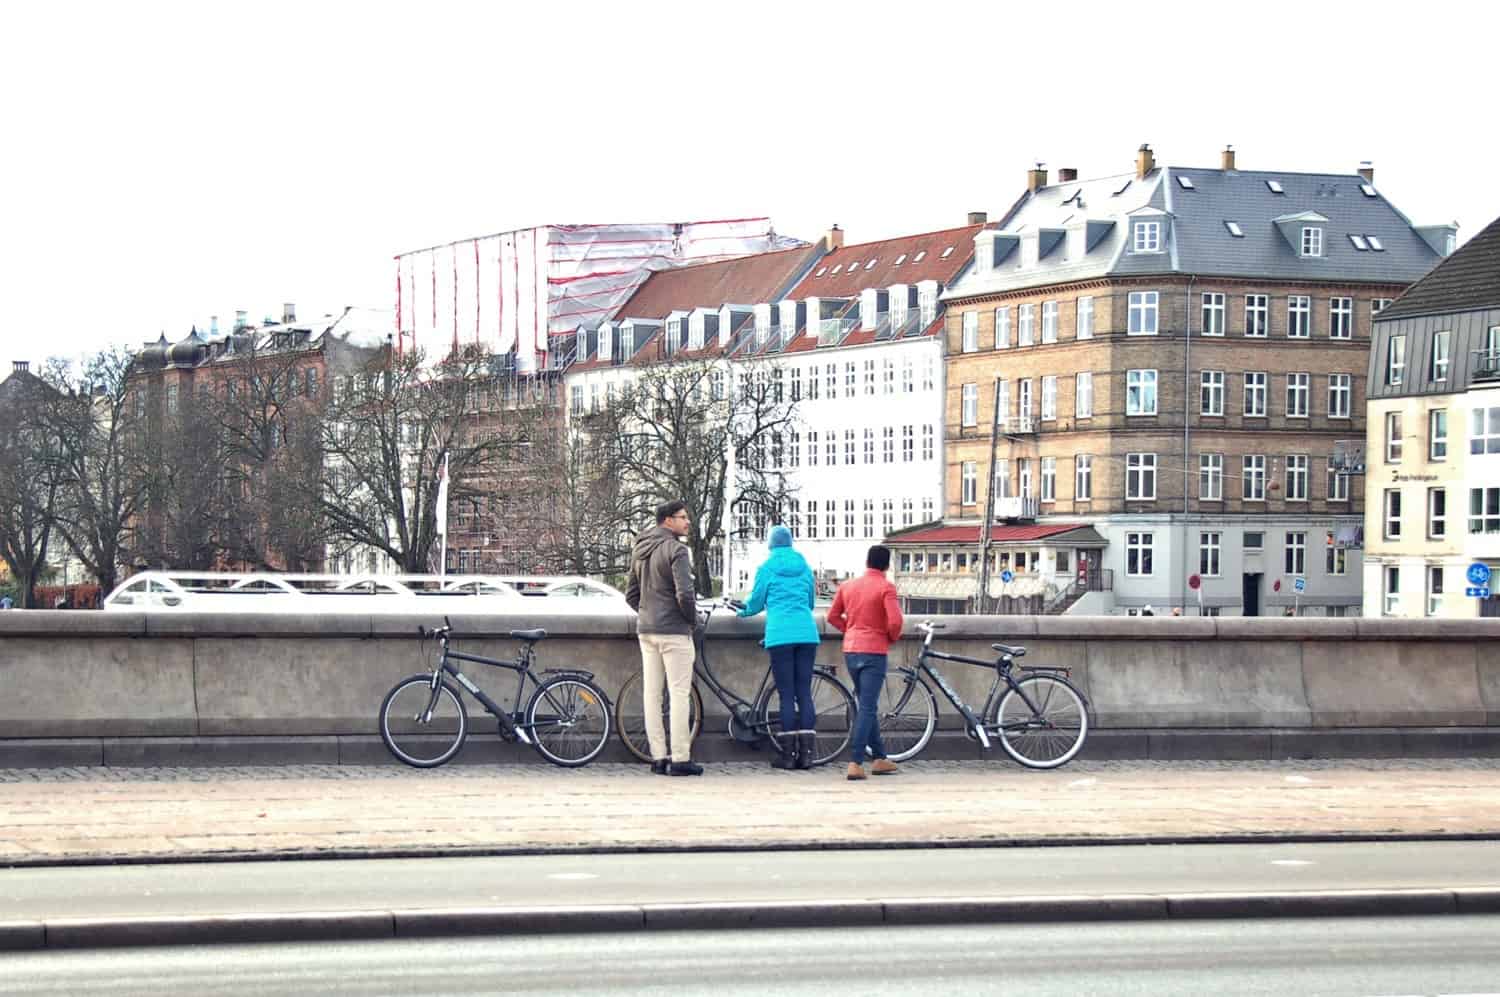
(984, 738)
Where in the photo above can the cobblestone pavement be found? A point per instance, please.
(101, 814)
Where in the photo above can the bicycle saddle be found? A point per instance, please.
(537, 634)
(1009, 650)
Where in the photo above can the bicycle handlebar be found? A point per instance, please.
(442, 631)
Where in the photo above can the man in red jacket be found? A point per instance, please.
(866, 611)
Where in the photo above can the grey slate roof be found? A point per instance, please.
(1195, 237)
(1466, 281)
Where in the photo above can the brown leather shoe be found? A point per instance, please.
(856, 772)
(884, 766)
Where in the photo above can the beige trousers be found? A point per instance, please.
(669, 658)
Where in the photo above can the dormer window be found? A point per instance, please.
(627, 342)
(1312, 240)
(604, 343)
(582, 350)
(1146, 237)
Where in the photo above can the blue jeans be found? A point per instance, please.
(867, 675)
(792, 668)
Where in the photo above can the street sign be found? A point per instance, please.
(1276, 585)
(1006, 576)
(1300, 585)
(1194, 581)
(1478, 591)
(1479, 574)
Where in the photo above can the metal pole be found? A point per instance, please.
(1187, 449)
(989, 508)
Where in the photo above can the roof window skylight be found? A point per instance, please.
(919, 257)
(1122, 189)
(1274, 186)
(871, 264)
(1368, 190)
(1234, 229)
(1185, 182)
(836, 268)
(1375, 243)
(946, 253)
(899, 260)
(1359, 242)
(821, 271)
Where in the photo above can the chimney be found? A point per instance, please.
(1227, 158)
(1067, 174)
(1036, 179)
(288, 313)
(834, 239)
(978, 217)
(239, 320)
(1145, 162)
(20, 366)
(213, 325)
(1367, 170)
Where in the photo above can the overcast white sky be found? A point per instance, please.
(164, 162)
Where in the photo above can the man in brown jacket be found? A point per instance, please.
(661, 592)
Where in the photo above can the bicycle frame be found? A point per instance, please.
(732, 700)
(521, 666)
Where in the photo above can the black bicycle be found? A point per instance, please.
(752, 721)
(1041, 718)
(567, 719)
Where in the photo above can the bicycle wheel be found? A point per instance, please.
(833, 722)
(1050, 734)
(907, 714)
(630, 718)
(412, 734)
(568, 720)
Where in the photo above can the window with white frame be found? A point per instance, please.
(1298, 394)
(907, 517)
(831, 449)
(969, 405)
(1004, 403)
(1139, 554)
(812, 448)
(888, 376)
(1378, 305)
(1298, 316)
(575, 399)
(796, 384)
(1255, 393)
(869, 519)
(1002, 327)
(1049, 397)
(1395, 360)
(1049, 479)
(1393, 437)
(888, 445)
(1257, 315)
(1296, 477)
(1211, 477)
(1142, 312)
(831, 380)
(1296, 553)
(1083, 477)
(1023, 399)
(927, 516)
(1340, 389)
(929, 374)
(1392, 590)
(1437, 434)
(1146, 237)
(870, 376)
(969, 487)
(927, 442)
(1211, 392)
(887, 516)
(851, 379)
(1338, 484)
(1337, 562)
(869, 445)
(1437, 513)
(1140, 392)
(908, 376)
(1312, 240)
(1253, 478)
(1440, 347)
(810, 518)
(1213, 314)
(971, 332)
(1023, 475)
(927, 304)
(1002, 482)
(1484, 510)
(1210, 549)
(849, 519)
(1026, 330)
(1340, 318)
(1140, 476)
(1049, 321)
(1392, 508)
(908, 443)
(1484, 430)
(1085, 324)
(1083, 395)
(1434, 589)
(849, 446)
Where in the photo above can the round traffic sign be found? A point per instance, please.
(1194, 581)
(1006, 576)
(1276, 585)
(1479, 574)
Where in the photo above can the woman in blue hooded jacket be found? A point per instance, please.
(784, 588)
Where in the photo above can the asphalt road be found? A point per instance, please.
(695, 877)
(1342, 958)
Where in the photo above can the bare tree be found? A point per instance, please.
(685, 430)
(584, 511)
(30, 462)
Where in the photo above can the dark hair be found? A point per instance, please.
(667, 510)
(879, 557)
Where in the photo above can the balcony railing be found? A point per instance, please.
(1016, 507)
(1018, 425)
(831, 331)
(1486, 365)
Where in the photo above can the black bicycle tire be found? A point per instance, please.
(633, 735)
(458, 742)
(536, 739)
(915, 686)
(992, 722)
(763, 718)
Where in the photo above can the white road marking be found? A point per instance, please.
(572, 875)
(1082, 782)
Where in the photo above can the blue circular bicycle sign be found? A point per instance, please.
(1007, 577)
(1479, 574)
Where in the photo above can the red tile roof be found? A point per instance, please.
(748, 280)
(855, 273)
(998, 533)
